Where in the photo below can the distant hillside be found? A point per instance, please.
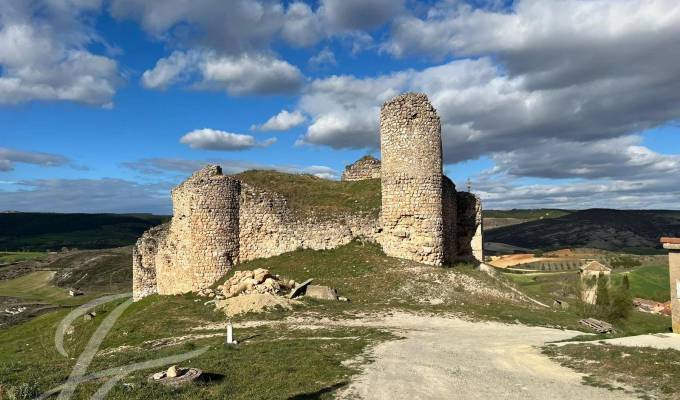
(47, 231)
(499, 218)
(629, 230)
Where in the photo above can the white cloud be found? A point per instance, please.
(228, 27)
(301, 26)
(9, 157)
(251, 74)
(211, 139)
(354, 15)
(43, 55)
(282, 121)
(323, 58)
(238, 75)
(170, 70)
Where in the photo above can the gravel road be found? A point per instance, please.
(449, 358)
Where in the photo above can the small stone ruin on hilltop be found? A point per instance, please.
(219, 221)
(367, 167)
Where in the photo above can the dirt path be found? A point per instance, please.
(445, 358)
(655, 340)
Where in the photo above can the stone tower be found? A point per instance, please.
(412, 215)
(200, 244)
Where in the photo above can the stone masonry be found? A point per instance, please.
(199, 245)
(367, 167)
(219, 221)
(412, 214)
(673, 247)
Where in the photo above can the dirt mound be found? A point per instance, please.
(254, 302)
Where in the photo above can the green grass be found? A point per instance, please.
(650, 282)
(651, 371)
(34, 286)
(309, 194)
(269, 363)
(272, 361)
(562, 285)
(16, 256)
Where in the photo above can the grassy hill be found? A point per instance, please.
(51, 231)
(636, 231)
(310, 194)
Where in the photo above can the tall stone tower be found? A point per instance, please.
(411, 176)
(204, 233)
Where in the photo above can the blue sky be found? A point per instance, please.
(106, 104)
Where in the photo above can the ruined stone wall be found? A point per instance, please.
(450, 220)
(268, 227)
(144, 261)
(469, 235)
(366, 167)
(411, 176)
(201, 242)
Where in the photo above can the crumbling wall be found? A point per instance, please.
(201, 242)
(144, 261)
(268, 227)
(411, 177)
(469, 235)
(366, 167)
(450, 220)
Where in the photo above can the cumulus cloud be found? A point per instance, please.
(158, 166)
(229, 27)
(618, 158)
(211, 139)
(87, 195)
(44, 55)
(343, 15)
(325, 57)
(238, 75)
(301, 25)
(282, 121)
(9, 157)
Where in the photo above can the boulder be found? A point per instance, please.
(321, 292)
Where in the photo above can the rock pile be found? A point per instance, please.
(259, 281)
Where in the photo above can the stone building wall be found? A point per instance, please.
(411, 177)
(470, 240)
(366, 167)
(269, 227)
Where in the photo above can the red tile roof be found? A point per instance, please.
(670, 240)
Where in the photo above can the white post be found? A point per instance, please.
(230, 333)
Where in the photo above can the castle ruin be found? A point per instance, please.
(219, 221)
(367, 167)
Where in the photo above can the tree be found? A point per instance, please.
(625, 283)
(622, 300)
(602, 293)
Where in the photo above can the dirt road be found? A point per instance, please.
(449, 358)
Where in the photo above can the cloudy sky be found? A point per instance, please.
(106, 104)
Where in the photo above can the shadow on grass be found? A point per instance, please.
(318, 393)
(209, 377)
